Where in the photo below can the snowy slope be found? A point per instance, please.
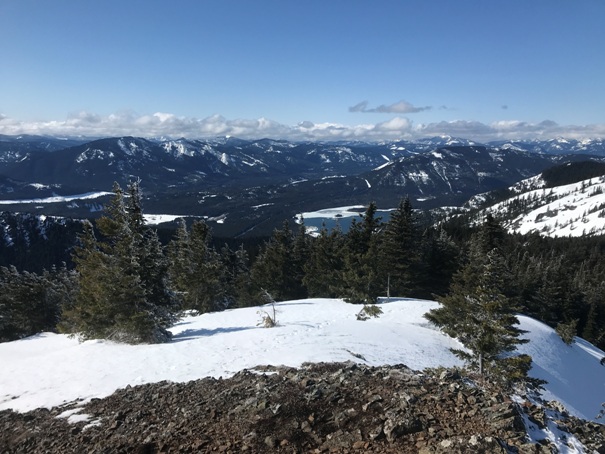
(576, 209)
(49, 369)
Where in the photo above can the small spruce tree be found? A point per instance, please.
(478, 314)
(121, 293)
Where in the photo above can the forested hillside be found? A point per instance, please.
(127, 285)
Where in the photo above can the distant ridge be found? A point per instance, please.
(251, 186)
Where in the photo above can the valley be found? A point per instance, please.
(246, 188)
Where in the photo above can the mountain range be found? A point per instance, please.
(247, 187)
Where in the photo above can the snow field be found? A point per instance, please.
(50, 369)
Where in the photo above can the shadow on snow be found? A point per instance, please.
(189, 334)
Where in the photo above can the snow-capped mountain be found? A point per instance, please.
(16, 148)
(252, 185)
(567, 200)
(447, 175)
(182, 162)
(558, 146)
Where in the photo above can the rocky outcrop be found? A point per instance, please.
(318, 408)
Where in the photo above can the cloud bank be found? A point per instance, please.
(85, 124)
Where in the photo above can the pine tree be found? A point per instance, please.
(275, 271)
(153, 264)
(591, 331)
(567, 331)
(479, 314)
(440, 256)
(121, 290)
(236, 278)
(196, 271)
(400, 251)
(154, 277)
(323, 269)
(30, 303)
(299, 257)
(205, 291)
(179, 260)
(362, 281)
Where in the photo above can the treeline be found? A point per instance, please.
(559, 281)
(129, 286)
(35, 243)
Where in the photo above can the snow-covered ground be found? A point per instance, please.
(155, 219)
(58, 198)
(50, 369)
(575, 209)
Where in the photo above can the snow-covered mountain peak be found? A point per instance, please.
(94, 154)
(178, 148)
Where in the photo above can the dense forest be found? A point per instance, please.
(120, 281)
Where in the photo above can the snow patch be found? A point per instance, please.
(58, 198)
(338, 212)
(52, 369)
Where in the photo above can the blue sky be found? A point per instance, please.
(330, 69)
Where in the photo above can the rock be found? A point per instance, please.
(317, 408)
(401, 424)
(270, 441)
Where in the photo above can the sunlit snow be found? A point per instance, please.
(58, 198)
(347, 211)
(154, 219)
(576, 209)
(51, 369)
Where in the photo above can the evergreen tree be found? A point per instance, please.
(236, 277)
(92, 312)
(31, 303)
(121, 293)
(362, 281)
(323, 269)
(556, 299)
(153, 264)
(440, 258)
(591, 331)
(400, 251)
(300, 256)
(196, 271)
(479, 314)
(275, 271)
(154, 277)
(491, 235)
(179, 253)
(567, 331)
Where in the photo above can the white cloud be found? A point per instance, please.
(169, 125)
(395, 124)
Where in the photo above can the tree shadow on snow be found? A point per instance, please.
(190, 334)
